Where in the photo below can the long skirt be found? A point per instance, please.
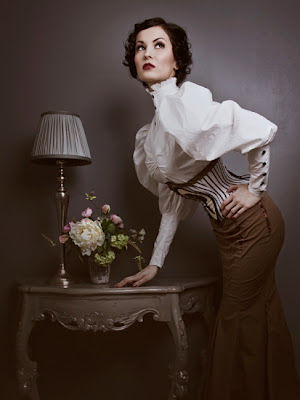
(251, 355)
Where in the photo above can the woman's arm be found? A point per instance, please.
(167, 230)
(173, 208)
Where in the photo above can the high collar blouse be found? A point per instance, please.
(189, 130)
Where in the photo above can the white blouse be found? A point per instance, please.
(188, 131)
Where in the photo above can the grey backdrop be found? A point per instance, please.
(68, 55)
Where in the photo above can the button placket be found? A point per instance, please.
(155, 108)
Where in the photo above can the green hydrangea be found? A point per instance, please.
(119, 241)
(105, 259)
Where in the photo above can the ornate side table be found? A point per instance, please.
(104, 308)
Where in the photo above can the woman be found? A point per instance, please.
(177, 157)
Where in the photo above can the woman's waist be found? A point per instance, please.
(210, 187)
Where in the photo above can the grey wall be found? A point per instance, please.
(67, 55)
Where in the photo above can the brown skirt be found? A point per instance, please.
(251, 355)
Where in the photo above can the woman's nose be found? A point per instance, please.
(148, 53)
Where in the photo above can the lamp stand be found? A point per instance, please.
(61, 278)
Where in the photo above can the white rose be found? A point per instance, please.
(87, 235)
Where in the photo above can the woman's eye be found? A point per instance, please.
(159, 45)
(139, 47)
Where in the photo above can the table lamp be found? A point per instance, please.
(61, 141)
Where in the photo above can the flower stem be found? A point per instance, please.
(133, 244)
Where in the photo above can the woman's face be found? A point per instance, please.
(154, 59)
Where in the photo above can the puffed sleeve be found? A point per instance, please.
(206, 129)
(173, 207)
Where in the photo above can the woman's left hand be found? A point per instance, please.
(238, 202)
(145, 275)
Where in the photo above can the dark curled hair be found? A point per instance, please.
(180, 46)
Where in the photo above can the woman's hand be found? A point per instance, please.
(238, 202)
(141, 277)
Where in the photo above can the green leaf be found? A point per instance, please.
(104, 224)
(100, 249)
(111, 228)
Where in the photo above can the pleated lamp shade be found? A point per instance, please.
(60, 136)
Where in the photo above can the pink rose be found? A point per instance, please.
(63, 238)
(87, 212)
(117, 220)
(105, 209)
(67, 227)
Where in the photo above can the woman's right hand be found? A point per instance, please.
(141, 277)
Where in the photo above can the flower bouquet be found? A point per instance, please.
(100, 238)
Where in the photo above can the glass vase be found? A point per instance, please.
(99, 274)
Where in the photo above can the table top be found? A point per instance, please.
(156, 286)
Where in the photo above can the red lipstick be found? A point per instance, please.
(148, 66)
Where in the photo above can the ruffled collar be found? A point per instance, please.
(171, 82)
(160, 90)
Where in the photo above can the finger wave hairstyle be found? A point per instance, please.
(180, 44)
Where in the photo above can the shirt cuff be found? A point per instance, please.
(259, 163)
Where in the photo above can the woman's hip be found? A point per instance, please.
(261, 223)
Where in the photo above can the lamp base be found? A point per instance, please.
(61, 279)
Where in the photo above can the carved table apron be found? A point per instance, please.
(103, 308)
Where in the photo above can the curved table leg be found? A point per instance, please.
(26, 368)
(178, 372)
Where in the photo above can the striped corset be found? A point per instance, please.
(210, 187)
